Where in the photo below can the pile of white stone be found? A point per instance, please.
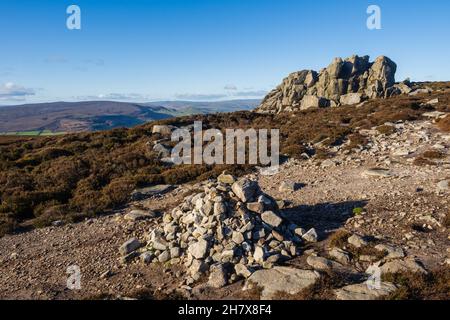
(230, 229)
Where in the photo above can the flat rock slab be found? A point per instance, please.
(378, 173)
(137, 215)
(141, 194)
(362, 291)
(393, 252)
(322, 264)
(281, 280)
(443, 185)
(397, 266)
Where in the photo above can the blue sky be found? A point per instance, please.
(143, 50)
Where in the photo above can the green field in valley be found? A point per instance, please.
(36, 133)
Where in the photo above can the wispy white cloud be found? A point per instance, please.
(230, 87)
(254, 93)
(13, 92)
(203, 97)
(115, 97)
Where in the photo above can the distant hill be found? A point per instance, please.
(103, 115)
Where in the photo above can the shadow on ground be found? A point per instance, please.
(324, 217)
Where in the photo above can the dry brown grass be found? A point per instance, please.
(253, 293)
(444, 124)
(447, 220)
(366, 251)
(339, 239)
(433, 154)
(386, 129)
(356, 140)
(417, 286)
(428, 158)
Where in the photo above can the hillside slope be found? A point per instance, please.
(78, 175)
(103, 115)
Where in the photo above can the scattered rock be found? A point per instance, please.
(379, 173)
(434, 114)
(57, 223)
(433, 101)
(271, 219)
(105, 275)
(443, 185)
(287, 186)
(245, 190)
(164, 130)
(340, 255)
(130, 246)
(226, 178)
(393, 252)
(218, 277)
(299, 231)
(242, 270)
(357, 241)
(164, 256)
(144, 193)
(199, 249)
(137, 215)
(238, 237)
(322, 264)
(311, 235)
(257, 207)
(327, 163)
(147, 257)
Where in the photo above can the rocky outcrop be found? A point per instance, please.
(343, 82)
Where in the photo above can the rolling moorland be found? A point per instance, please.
(67, 117)
(364, 184)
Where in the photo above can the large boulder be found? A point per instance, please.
(351, 98)
(164, 130)
(281, 280)
(310, 101)
(362, 291)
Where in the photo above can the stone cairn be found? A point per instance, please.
(230, 229)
